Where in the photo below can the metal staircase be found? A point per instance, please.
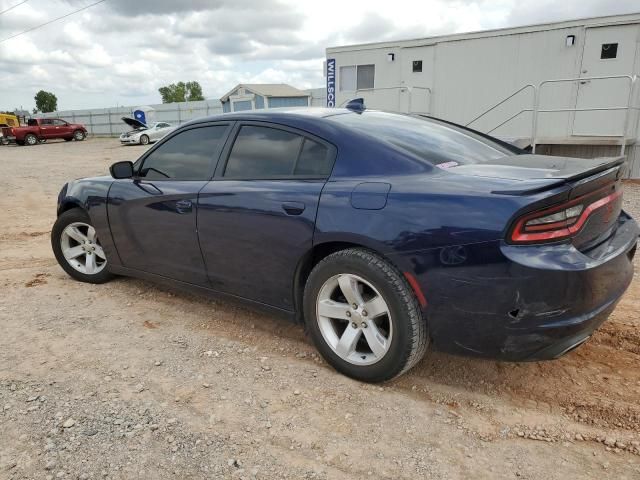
(533, 138)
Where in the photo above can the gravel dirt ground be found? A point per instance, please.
(128, 380)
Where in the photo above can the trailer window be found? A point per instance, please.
(366, 74)
(357, 77)
(609, 50)
(348, 78)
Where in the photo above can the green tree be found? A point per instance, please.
(181, 92)
(46, 102)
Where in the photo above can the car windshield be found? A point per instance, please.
(438, 143)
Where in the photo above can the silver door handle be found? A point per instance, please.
(183, 206)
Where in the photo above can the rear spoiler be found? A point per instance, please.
(604, 173)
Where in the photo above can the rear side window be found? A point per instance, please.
(264, 152)
(315, 160)
(188, 155)
(430, 140)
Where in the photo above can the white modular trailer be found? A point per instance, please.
(567, 87)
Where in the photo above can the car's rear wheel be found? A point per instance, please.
(30, 139)
(78, 249)
(144, 140)
(79, 135)
(363, 316)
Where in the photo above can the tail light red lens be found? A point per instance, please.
(559, 222)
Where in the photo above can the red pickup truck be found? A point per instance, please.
(39, 129)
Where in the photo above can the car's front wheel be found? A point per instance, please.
(78, 249)
(79, 135)
(363, 316)
(144, 140)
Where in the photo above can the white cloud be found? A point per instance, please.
(122, 51)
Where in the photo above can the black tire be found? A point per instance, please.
(30, 139)
(144, 139)
(410, 339)
(64, 220)
(79, 135)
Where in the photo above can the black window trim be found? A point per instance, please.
(215, 158)
(332, 152)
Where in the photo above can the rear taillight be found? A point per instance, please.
(561, 221)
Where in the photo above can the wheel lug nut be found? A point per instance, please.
(354, 325)
(348, 314)
(355, 306)
(363, 325)
(364, 313)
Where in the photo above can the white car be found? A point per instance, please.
(143, 134)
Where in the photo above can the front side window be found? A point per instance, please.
(59, 123)
(188, 155)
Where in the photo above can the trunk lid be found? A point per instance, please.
(133, 123)
(529, 167)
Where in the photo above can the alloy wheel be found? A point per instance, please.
(81, 248)
(354, 319)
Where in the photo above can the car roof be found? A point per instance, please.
(283, 114)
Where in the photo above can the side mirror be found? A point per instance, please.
(121, 169)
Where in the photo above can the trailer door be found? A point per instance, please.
(607, 51)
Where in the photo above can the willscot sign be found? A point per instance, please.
(331, 82)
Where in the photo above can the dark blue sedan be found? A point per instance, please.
(381, 232)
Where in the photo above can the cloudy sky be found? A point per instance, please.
(120, 51)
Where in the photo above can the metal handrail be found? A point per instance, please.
(364, 90)
(528, 85)
(402, 88)
(537, 110)
(510, 118)
(537, 90)
(632, 80)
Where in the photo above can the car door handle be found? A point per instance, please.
(184, 206)
(293, 208)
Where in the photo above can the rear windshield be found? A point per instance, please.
(436, 142)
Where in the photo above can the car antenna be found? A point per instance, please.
(356, 105)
